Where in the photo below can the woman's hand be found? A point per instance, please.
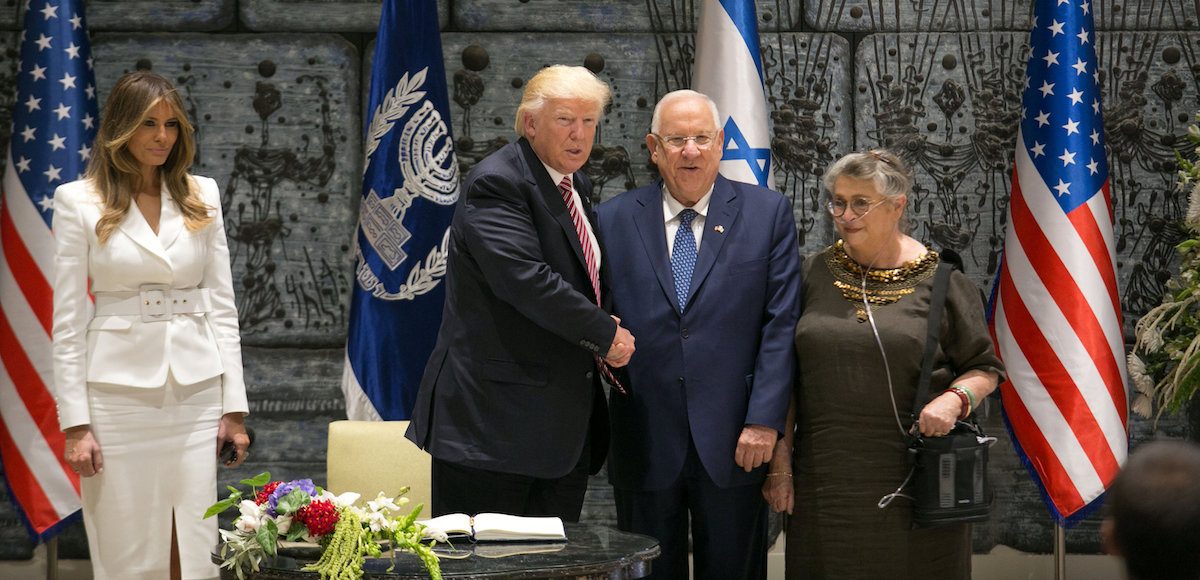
(777, 489)
(83, 451)
(939, 416)
(233, 428)
(778, 492)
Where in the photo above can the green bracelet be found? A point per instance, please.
(970, 396)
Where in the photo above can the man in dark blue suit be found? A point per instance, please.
(510, 405)
(706, 273)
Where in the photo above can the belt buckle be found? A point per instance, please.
(155, 302)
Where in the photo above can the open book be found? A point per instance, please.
(496, 527)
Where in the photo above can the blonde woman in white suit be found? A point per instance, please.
(148, 377)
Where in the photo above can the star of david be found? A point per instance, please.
(736, 148)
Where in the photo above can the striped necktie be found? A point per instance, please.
(593, 265)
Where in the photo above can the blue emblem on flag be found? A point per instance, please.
(729, 70)
(410, 187)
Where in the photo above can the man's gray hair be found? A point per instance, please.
(656, 120)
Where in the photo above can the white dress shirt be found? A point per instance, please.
(557, 178)
(671, 211)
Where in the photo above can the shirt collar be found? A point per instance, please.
(672, 207)
(557, 177)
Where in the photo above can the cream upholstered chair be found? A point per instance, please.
(373, 456)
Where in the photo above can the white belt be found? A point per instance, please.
(154, 302)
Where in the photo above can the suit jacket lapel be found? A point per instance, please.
(723, 209)
(170, 220)
(537, 175)
(649, 222)
(138, 229)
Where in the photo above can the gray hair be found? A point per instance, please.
(561, 82)
(891, 175)
(656, 120)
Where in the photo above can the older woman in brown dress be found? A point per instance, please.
(860, 360)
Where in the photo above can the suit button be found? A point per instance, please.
(588, 374)
(684, 332)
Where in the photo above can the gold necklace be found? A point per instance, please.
(883, 285)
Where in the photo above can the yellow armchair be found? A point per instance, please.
(368, 457)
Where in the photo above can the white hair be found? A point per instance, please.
(656, 120)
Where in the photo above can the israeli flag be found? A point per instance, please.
(729, 70)
(410, 186)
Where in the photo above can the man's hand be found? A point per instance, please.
(622, 347)
(83, 451)
(754, 446)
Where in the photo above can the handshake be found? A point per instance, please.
(621, 348)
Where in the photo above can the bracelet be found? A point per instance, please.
(970, 396)
(967, 399)
(783, 473)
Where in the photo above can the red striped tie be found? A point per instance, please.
(593, 266)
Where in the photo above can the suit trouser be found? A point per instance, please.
(458, 488)
(729, 525)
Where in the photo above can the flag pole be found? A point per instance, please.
(52, 558)
(1060, 552)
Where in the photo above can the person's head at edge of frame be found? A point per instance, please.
(144, 142)
(1153, 519)
(868, 195)
(685, 143)
(559, 113)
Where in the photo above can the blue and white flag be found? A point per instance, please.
(53, 125)
(410, 186)
(729, 70)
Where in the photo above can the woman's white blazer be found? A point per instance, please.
(125, 350)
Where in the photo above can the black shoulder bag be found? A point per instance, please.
(949, 480)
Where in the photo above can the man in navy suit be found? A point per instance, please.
(510, 405)
(706, 272)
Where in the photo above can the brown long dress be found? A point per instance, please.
(849, 450)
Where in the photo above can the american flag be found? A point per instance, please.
(1057, 314)
(54, 122)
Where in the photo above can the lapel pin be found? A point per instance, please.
(719, 229)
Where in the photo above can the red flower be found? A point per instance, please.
(266, 492)
(319, 516)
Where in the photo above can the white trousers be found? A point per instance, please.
(159, 449)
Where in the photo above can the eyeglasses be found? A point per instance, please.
(861, 206)
(702, 141)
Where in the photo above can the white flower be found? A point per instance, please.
(1193, 210)
(251, 517)
(382, 503)
(1194, 131)
(344, 500)
(1152, 340)
(1142, 405)
(377, 521)
(283, 524)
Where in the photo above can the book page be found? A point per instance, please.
(506, 527)
(508, 549)
(450, 524)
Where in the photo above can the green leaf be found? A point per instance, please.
(258, 480)
(293, 501)
(296, 532)
(267, 535)
(218, 507)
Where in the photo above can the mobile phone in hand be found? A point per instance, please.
(229, 450)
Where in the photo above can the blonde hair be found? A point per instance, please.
(114, 171)
(561, 82)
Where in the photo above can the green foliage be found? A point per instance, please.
(1165, 362)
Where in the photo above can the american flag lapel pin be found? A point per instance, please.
(719, 229)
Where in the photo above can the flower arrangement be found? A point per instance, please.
(1165, 362)
(299, 511)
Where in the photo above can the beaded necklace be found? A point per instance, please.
(884, 285)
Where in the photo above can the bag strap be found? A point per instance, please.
(937, 305)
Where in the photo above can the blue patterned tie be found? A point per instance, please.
(683, 255)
